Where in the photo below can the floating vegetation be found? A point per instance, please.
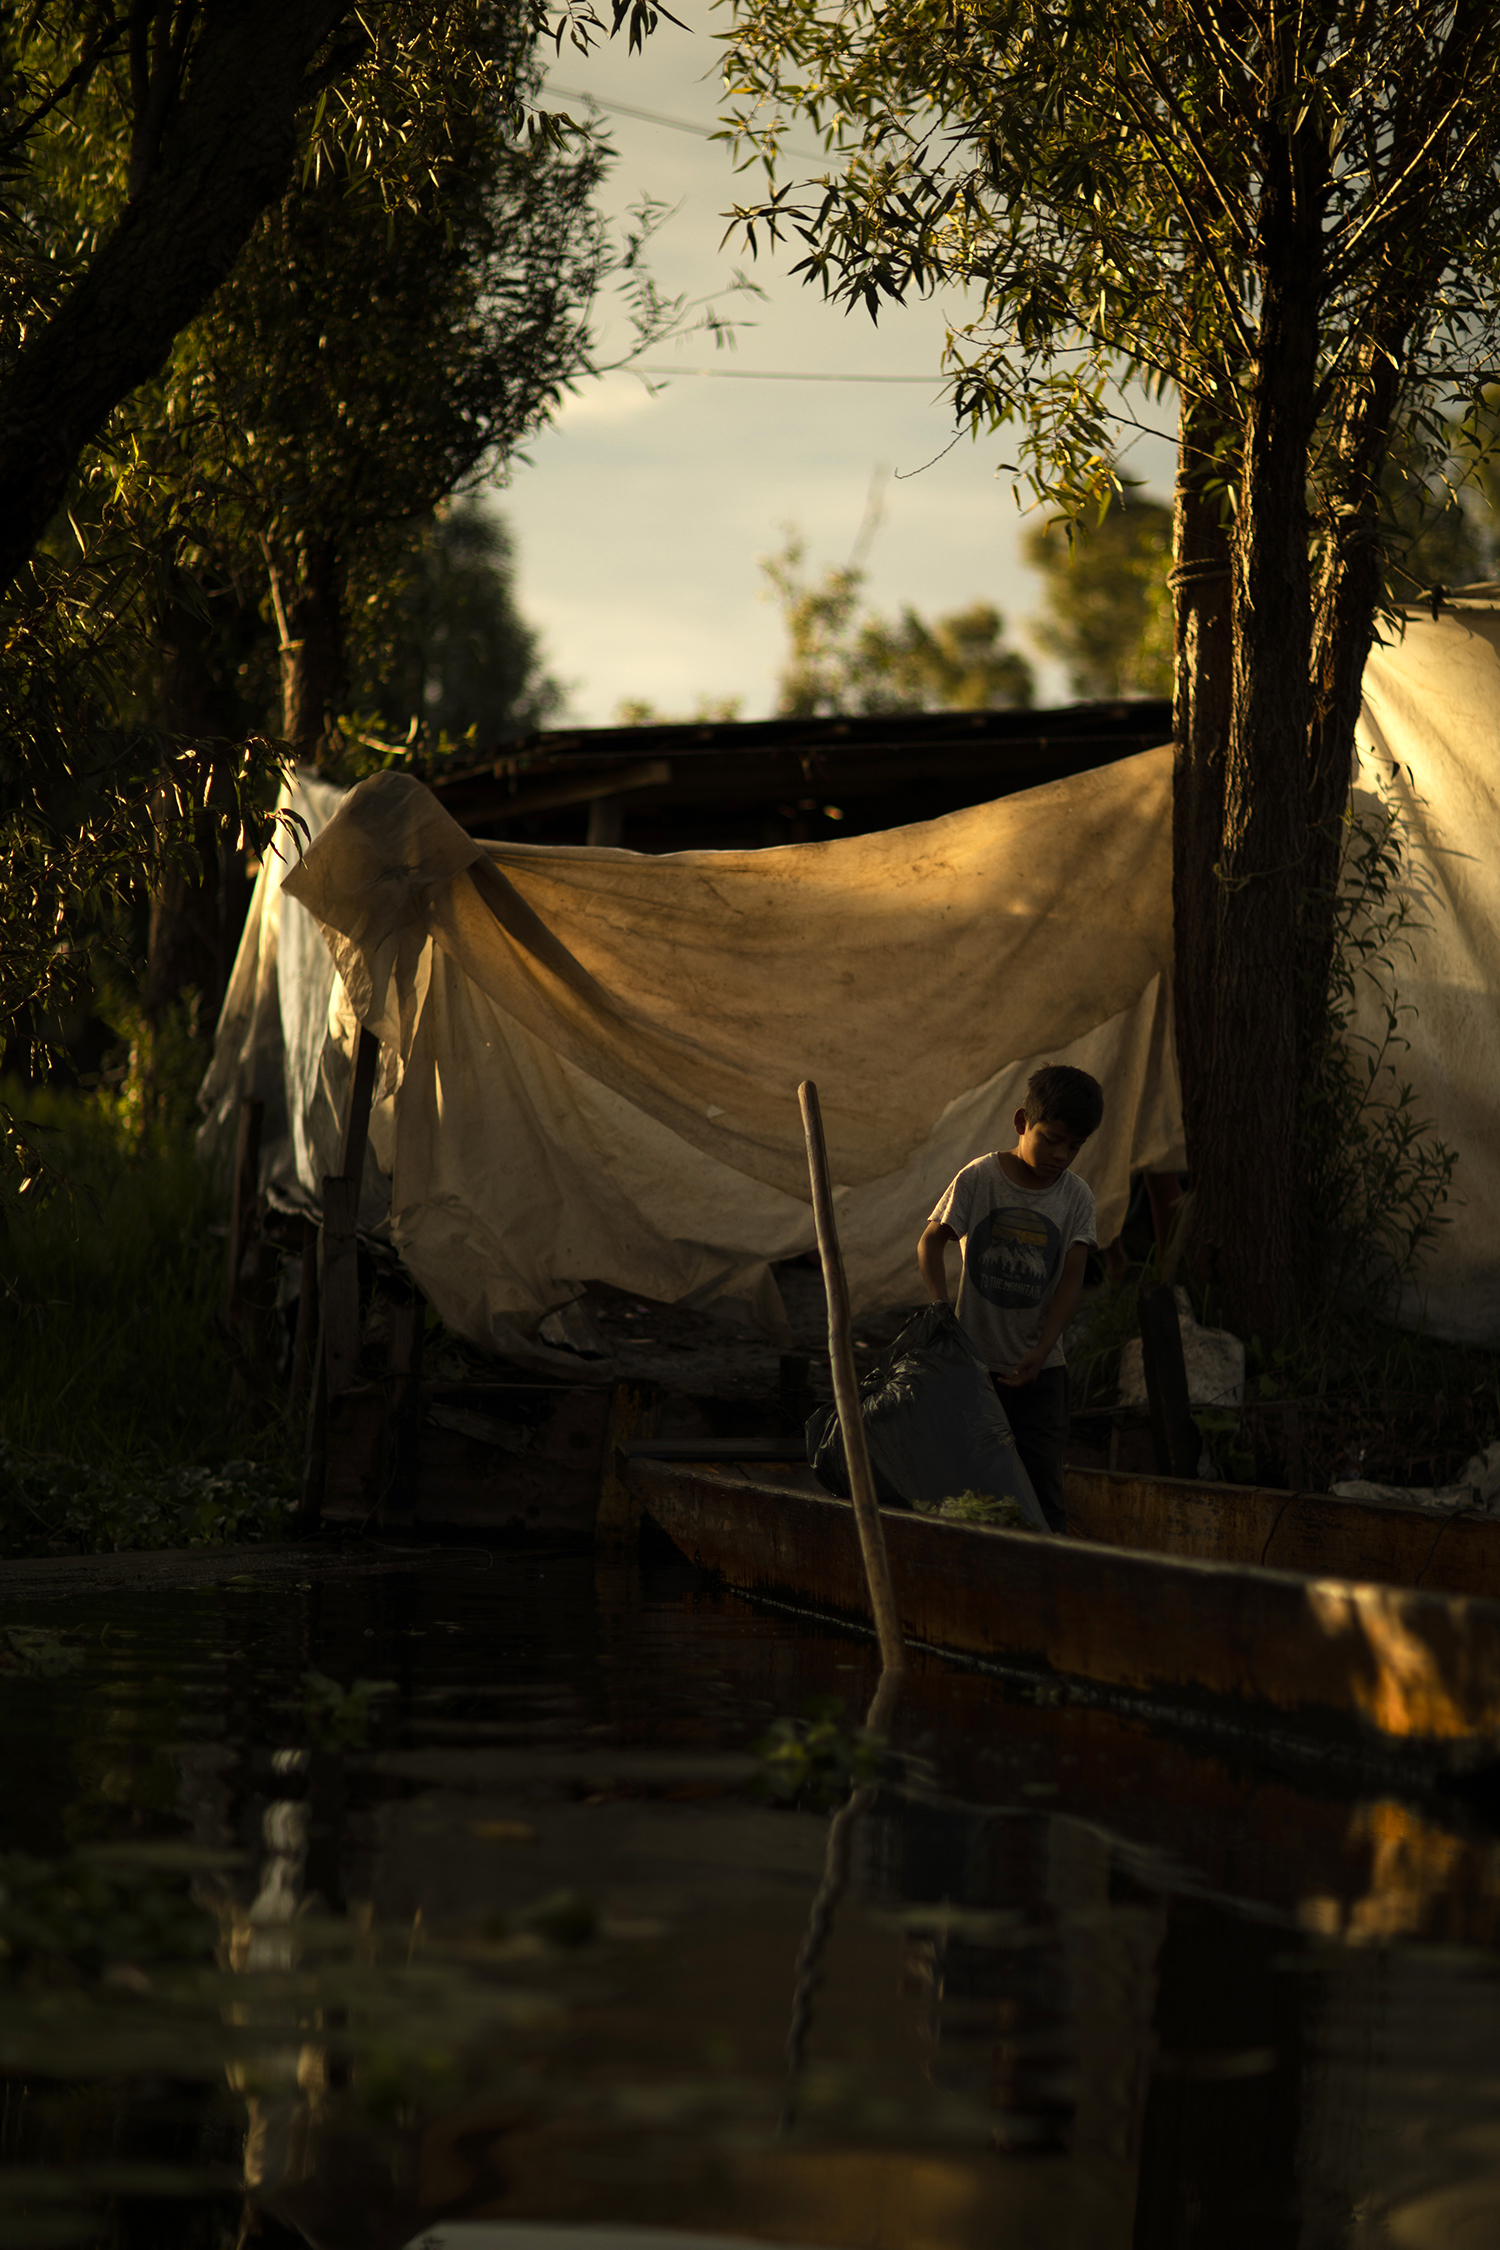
(32, 1649)
(815, 1761)
(339, 1717)
(108, 1914)
(1004, 1511)
(51, 1505)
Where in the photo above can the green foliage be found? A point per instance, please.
(838, 661)
(97, 810)
(1109, 606)
(32, 1649)
(1100, 177)
(1003, 1511)
(339, 1717)
(119, 1425)
(94, 1911)
(1378, 1179)
(438, 640)
(815, 1761)
(708, 710)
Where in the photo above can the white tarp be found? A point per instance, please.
(1429, 738)
(591, 1057)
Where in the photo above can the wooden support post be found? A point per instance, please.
(335, 1359)
(632, 1414)
(338, 1284)
(1175, 1437)
(846, 1391)
(305, 1336)
(357, 1115)
(244, 1202)
(408, 1313)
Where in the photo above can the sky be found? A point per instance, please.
(640, 517)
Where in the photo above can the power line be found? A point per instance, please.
(658, 117)
(782, 375)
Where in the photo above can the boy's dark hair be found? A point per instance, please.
(1060, 1095)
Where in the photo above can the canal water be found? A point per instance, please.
(472, 1899)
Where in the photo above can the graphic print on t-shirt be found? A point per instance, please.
(1011, 1256)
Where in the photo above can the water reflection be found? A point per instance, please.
(513, 1944)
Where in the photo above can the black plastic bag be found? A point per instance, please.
(934, 1425)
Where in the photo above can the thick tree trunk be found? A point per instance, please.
(1247, 1216)
(307, 593)
(1344, 630)
(1203, 687)
(225, 154)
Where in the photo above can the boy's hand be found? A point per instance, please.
(1026, 1370)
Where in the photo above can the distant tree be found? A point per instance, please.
(442, 643)
(839, 661)
(708, 710)
(957, 663)
(1109, 603)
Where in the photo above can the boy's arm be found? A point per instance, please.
(1059, 1312)
(935, 1235)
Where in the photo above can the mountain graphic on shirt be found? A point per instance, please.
(1011, 1256)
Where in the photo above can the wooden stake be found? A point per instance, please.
(336, 1352)
(846, 1392)
(357, 1116)
(245, 1206)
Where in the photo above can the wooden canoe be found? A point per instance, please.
(1338, 1657)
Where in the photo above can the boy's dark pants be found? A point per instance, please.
(1038, 1417)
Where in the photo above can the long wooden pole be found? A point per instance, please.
(846, 1392)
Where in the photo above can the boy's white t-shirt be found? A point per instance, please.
(1014, 1242)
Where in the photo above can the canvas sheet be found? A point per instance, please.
(1429, 740)
(590, 1057)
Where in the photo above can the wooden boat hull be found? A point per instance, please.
(1407, 1671)
(1302, 1531)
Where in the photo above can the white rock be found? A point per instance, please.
(1478, 1486)
(1215, 1363)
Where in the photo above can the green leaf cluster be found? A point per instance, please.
(839, 660)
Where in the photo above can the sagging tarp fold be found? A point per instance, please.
(592, 1055)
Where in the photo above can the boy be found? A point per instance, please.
(1027, 1226)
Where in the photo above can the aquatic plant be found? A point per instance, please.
(123, 1420)
(816, 1760)
(1003, 1510)
(339, 1717)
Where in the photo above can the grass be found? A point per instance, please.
(121, 1421)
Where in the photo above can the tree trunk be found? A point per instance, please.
(308, 599)
(1204, 672)
(1247, 1213)
(198, 908)
(226, 153)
